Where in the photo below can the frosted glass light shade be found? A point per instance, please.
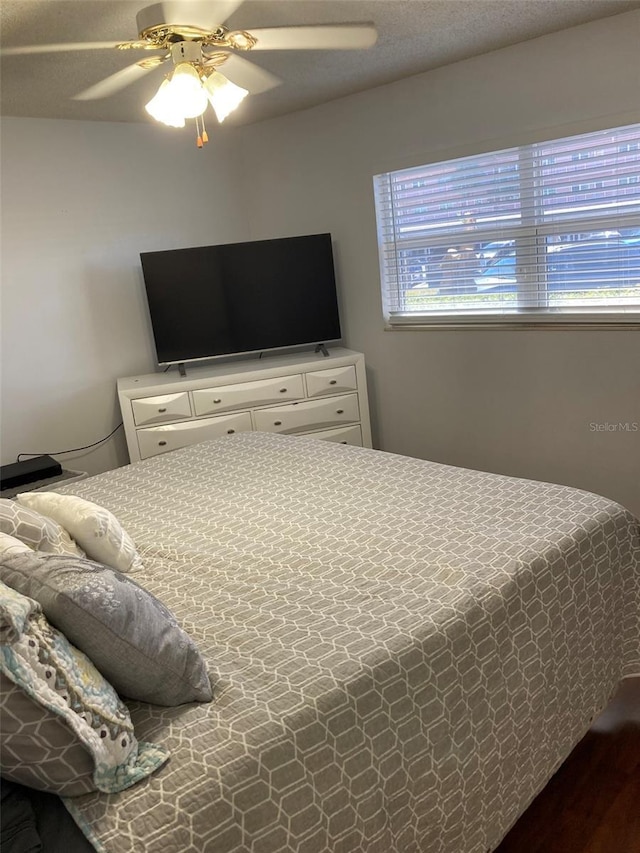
(178, 98)
(224, 95)
(161, 109)
(185, 91)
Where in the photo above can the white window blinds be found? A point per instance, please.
(550, 229)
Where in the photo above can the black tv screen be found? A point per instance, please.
(241, 297)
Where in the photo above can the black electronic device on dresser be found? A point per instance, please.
(28, 471)
(240, 298)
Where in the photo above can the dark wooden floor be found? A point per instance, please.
(592, 804)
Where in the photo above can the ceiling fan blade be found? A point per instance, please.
(207, 15)
(114, 83)
(316, 37)
(244, 73)
(57, 48)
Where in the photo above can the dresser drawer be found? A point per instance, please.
(259, 393)
(312, 414)
(162, 439)
(343, 435)
(153, 410)
(336, 380)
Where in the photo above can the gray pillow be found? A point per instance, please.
(35, 530)
(129, 635)
(64, 728)
(38, 748)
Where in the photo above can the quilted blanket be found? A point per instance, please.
(404, 652)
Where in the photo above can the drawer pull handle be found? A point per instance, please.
(339, 411)
(283, 390)
(218, 400)
(332, 381)
(230, 431)
(277, 423)
(161, 443)
(162, 411)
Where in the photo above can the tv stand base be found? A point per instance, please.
(322, 348)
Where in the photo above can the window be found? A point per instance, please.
(546, 232)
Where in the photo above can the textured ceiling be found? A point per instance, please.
(414, 36)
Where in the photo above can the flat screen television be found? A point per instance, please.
(239, 298)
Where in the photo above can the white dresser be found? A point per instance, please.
(306, 393)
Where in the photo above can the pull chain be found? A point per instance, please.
(199, 142)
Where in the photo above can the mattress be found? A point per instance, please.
(403, 652)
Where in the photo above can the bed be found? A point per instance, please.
(403, 652)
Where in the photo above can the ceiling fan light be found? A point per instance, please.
(162, 109)
(224, 95)
(185, 93)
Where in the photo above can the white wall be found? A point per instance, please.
(80, 201)
(518, 402)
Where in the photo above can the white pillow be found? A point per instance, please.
(11, 545)
(35, 530)
(93, 527)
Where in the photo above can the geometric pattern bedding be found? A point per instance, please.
(404, 652)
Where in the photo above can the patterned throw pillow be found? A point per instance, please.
(64, 729)
(36, 530)
(133, 639)
(95, 529)
(38, 749)
(11, 545)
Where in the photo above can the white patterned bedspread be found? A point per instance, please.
(404, 651)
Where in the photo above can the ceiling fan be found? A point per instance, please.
(193, 36)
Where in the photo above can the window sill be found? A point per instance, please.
(608, 322)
